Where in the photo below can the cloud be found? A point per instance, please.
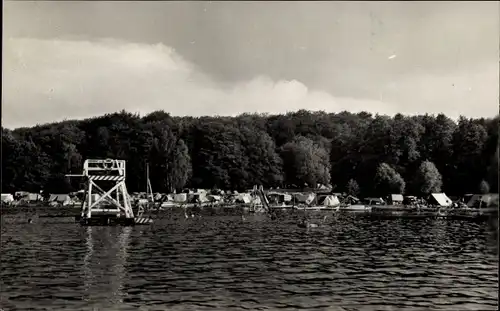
(225, 63)
(472, 93)
(51, 80)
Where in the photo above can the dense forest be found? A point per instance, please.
(362, 154)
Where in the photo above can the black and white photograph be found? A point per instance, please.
(250, 155)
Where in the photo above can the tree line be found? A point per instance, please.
(358, 153)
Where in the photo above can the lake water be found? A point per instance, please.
(225, 263)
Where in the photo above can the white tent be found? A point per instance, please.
(32, 197)
(62, 199)
(397, 198)
(331, 200)
(201, 197)
(180, 197)
(243, 198)
(20, 194)
(483, 200)
(442, 199)
(7, 198)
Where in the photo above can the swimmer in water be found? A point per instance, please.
(273, 216)
(310, 225)
(304, 223)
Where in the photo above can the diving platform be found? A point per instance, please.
(106, 201)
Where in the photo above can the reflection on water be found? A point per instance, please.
(348, 263)
(104, 265)
(88, 276)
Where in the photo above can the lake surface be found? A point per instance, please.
(225, 263)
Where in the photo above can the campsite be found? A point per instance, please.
(472, 206)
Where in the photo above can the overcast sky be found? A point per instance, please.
(65, 60)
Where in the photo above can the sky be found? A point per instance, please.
(73, 60)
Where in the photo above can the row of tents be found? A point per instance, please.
(247, 198)
(333, 200)
(201, 196)
(33, 198)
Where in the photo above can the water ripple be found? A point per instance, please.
(348, 263)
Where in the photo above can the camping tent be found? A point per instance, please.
(243, 198)
(32, 197)
(440, 199)
(484, 200)
(180, 197)
(198, 197)
(20, 194)
(7, 198)
(201, 197)
(331, 200)
(397, 199)
(62, 199)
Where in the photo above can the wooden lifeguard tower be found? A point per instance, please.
(106, 200)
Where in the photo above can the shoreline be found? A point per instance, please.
(375, 212)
